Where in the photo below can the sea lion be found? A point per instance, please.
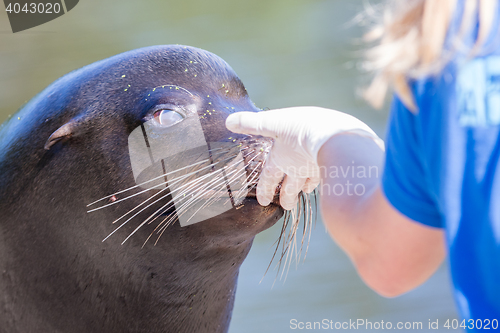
(67, 148)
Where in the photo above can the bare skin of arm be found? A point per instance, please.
(391, 253)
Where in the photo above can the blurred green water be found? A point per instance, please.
(287, 52)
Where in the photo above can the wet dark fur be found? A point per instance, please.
(56, 274)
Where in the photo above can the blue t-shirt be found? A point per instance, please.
(443, 170)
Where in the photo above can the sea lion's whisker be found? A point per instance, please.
(156, 178)
(162, 183)
(130, 218)
(223, 184)
(148, 189)
(200, 192)
(170, 218)
(227, 148)
(141, 192)
(309, 222)
(248, 163)
(170, 193)
(308, 218)
(176, 180)
(177, 198)
(254, 175)
(306, 201)
(184, 208)
(123, 199)
(148, 181)
(216, 194)
(211, 150)
(212, 199)
(293, 241)
(303, 204)
(285, 244)
(299, 209)
(191, 183)
(164, 228)
(218, 172)
(234, 179)
(277, 242)
(241, 192)
(288, 239)
(207, 203)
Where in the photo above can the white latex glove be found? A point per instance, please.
(299, 133)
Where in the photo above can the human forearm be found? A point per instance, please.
(391, 253)
(350, 168)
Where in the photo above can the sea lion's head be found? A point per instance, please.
(158, 114)
(130, 147)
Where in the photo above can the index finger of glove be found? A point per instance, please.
(256, 123)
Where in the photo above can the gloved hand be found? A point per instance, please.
(299, 133)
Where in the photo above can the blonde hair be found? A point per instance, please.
(410, 42)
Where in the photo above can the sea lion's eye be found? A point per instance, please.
(167, 118)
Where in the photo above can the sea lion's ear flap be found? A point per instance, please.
(66, 131)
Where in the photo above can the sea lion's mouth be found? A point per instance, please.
(252, 194)
(255, 151)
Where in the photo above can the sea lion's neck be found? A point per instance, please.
(196, 294)
(95, 286)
